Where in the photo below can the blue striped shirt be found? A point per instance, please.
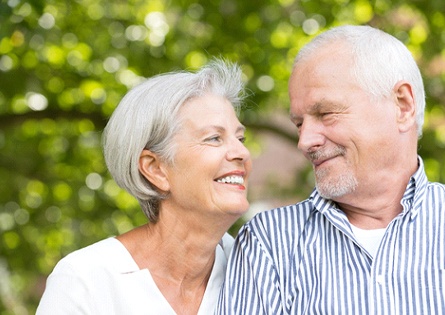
(304, 259)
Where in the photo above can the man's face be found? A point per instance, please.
(347, 135)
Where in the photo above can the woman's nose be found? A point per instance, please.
(238, 151)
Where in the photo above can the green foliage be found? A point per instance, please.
(64, 65)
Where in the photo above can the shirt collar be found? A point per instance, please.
(416, 190)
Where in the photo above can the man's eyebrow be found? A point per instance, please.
(319, 107)
(293, 117)
(327, 106)
(332, 106)
(312, 109)
(241, 128)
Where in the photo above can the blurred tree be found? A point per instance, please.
(64, 65)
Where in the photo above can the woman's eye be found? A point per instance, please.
(242, 139)
(214, 138)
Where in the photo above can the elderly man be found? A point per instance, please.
(371, 237)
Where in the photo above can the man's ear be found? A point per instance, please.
(406, 106)
(152, 169)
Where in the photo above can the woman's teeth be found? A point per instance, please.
(231, 180)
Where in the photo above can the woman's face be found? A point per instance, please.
(212, 165)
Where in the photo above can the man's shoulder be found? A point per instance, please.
(277, 231)
(437, 185)
(287, 219)
(435, 192)
(432, 191)
(293, 211)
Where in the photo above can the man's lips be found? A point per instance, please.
(319, 157)
(318, 162)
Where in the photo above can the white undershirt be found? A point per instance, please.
(369, 239)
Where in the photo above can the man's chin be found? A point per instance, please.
(337, 189)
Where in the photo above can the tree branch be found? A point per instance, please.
(99, 120)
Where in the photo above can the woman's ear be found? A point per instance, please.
(152, 169)
(406, 106)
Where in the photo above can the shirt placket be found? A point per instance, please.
(338, 219)
(381, 282)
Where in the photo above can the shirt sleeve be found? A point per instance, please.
(252, 281)
(65, 293)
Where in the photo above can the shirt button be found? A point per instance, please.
(380, 279)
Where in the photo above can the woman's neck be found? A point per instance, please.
(179, 257)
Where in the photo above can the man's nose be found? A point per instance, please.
(311, 135)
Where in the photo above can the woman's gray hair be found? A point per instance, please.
(147, 118)
(380, 61)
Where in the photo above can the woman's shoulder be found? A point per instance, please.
(105, 247)
(108, 253)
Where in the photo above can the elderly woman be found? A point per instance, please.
(176, 144)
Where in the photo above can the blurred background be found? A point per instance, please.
(65, 64)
